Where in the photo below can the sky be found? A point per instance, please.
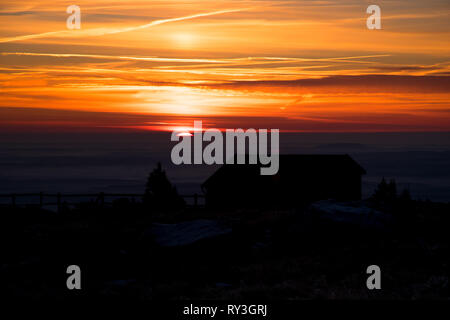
(298, 66)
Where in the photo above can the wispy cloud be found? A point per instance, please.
(105, 31)
(256, 60)
(102, 56)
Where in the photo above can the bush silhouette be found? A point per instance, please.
(159, 192)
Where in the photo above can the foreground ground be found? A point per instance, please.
(266, 255)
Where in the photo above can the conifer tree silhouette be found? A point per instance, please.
(386, 193)
(159, 192)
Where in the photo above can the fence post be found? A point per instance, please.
(13, 200)
(58, 200)
(195, 200)
(41, 199)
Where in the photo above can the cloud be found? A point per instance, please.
(42, 120)
(348, 84)
(241, 61)
(105, 31)
(112, 57)
(17, 13)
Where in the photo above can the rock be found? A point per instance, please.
(350, 213)
(186, 233)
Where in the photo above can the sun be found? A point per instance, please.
(184, 40)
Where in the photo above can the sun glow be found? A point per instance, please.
(184, 40)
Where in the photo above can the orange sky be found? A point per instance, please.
(293, 65)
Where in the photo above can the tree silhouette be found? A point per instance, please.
(159, 192)
(392, 191)
(405, 196)
(381, 191)
(386, 193)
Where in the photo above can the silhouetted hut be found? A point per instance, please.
(301, 179)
